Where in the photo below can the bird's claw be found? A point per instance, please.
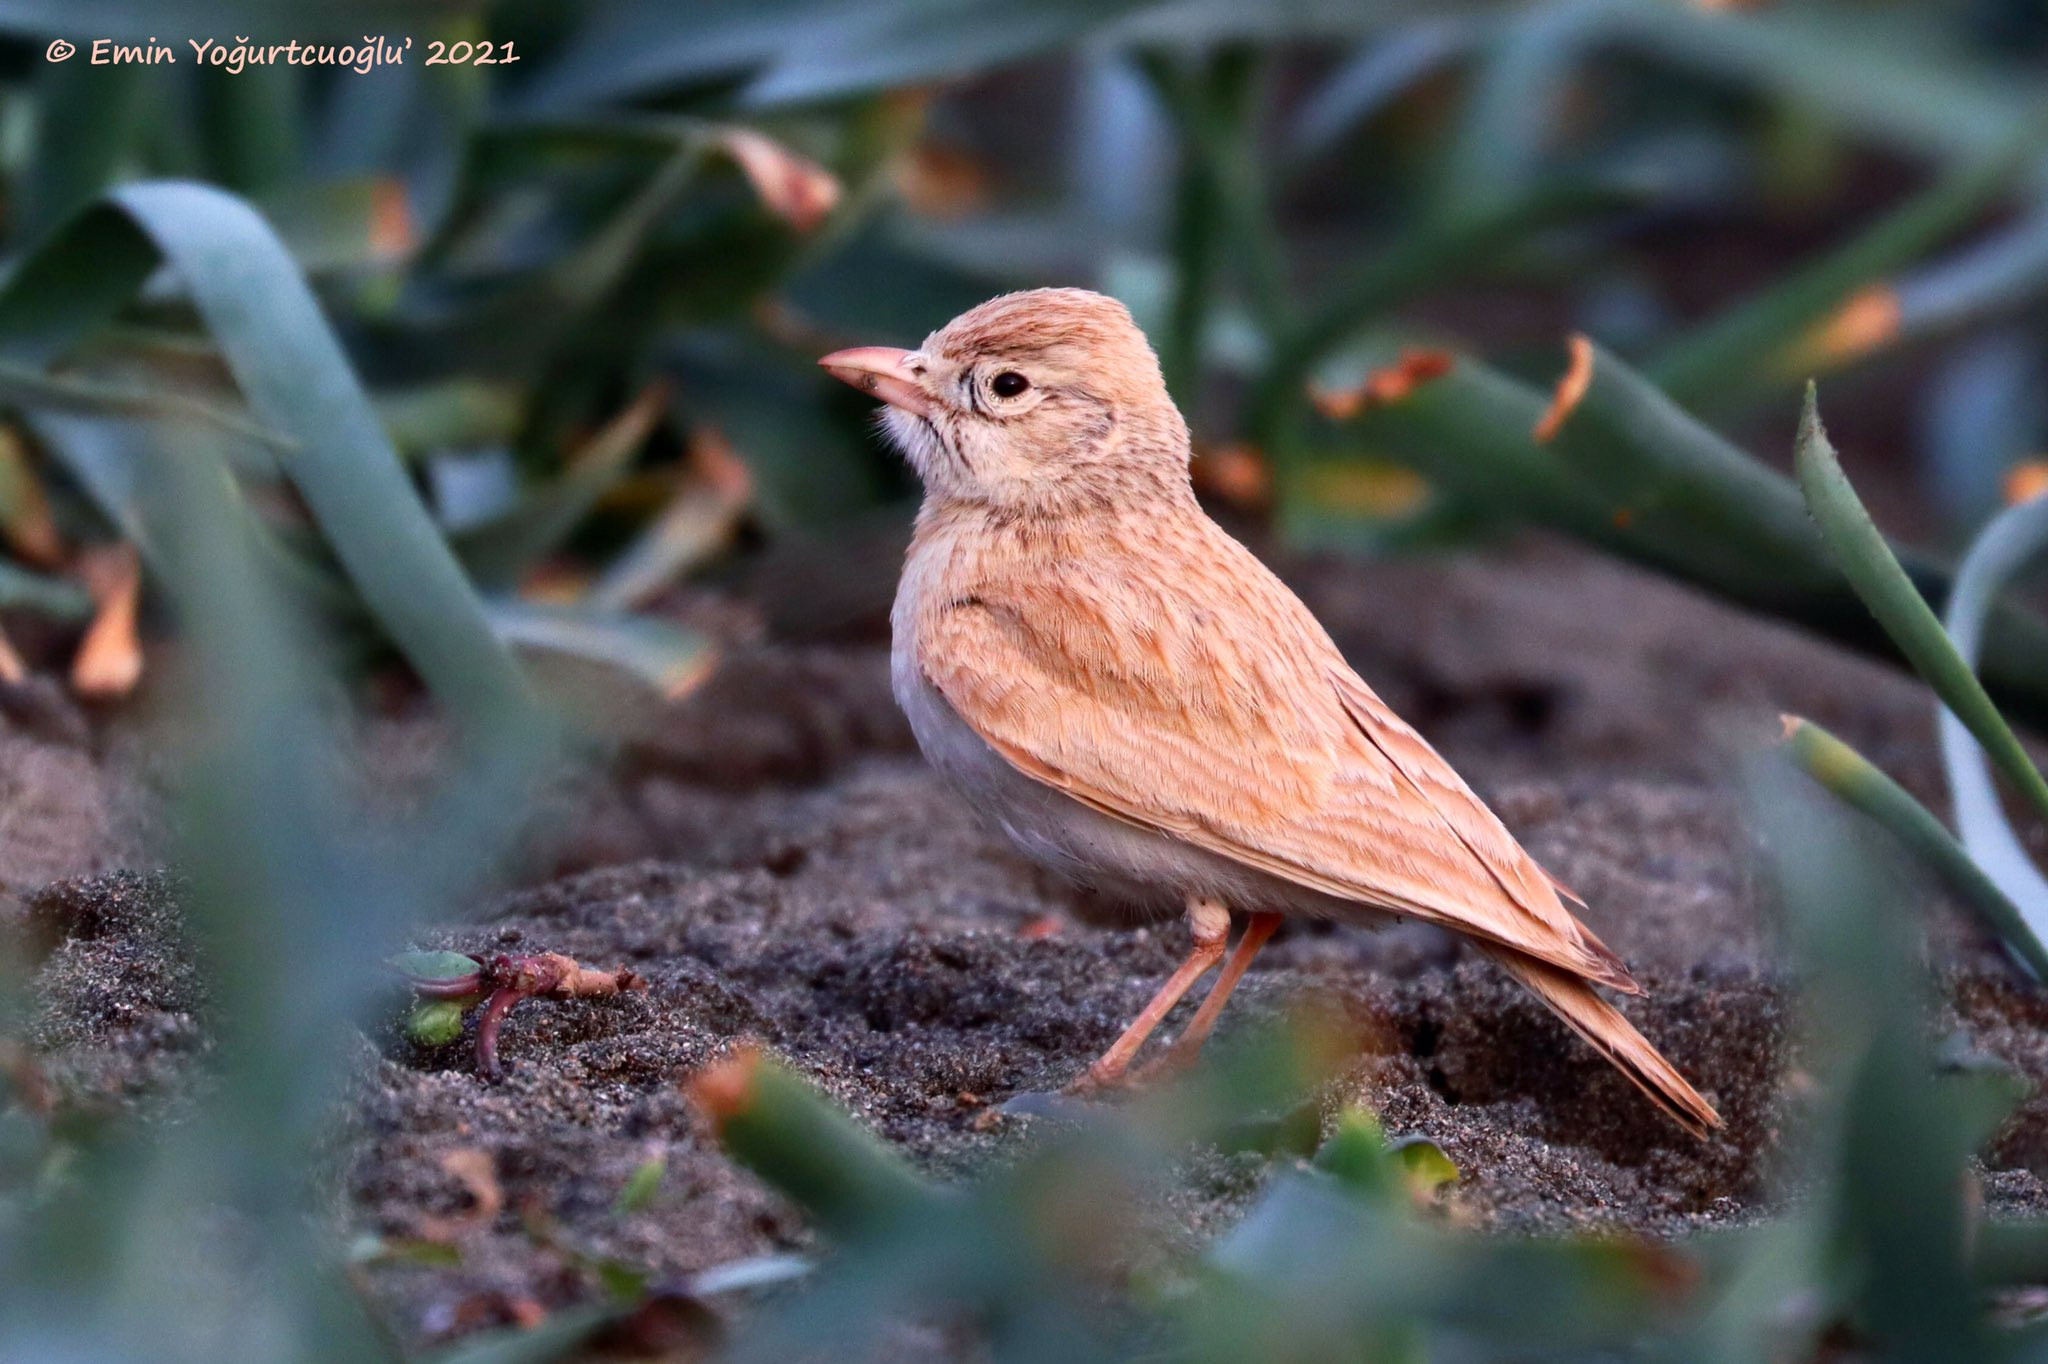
(1169, 1065)
(1095, 1082)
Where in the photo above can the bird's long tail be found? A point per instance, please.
(1615, 1038)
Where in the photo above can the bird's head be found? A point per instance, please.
(1038, 399)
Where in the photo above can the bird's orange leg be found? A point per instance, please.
(1209, 926)
(1257, 930)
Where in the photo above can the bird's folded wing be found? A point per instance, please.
(1236, 726)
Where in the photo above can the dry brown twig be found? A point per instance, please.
(505, 979)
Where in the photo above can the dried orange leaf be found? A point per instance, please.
(2026, 481)
(1043, 927)
(25, 520)
(1235, 473)
(794, 188)
(1868, 319)
(1571, 389)
(938, 181)
(700, 520)
(477, 1171)
(713, 459)
(628, 430)
(393, 233)
(725, 1088)
(554, 583)
(1416, 367)
(109, 659)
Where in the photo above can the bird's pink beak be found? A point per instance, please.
(883, 371)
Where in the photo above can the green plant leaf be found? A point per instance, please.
(1754, 339)
(108, 458)
(1676, 485)
(641, 1187)
(632, 49)
(792, 433)
(780, 1127)
(435, 1022)
(621, 1282)
(1894, 79)
(665, 658)
(1867, 561)
(1863, 787)
(451, 415)
(756, 1271)
(438, 965)
(1990, 278)
(137, 20)
(59, 598)
(1421, 259)
(1382, 71)
(2012, 1251)
(33, 389)
(1356, 1152)
(1424, 1164)
(299, 383)
(1891, 1144)
(498, 552)
(553, 1340)
(348, 224)
(1517, 92)
(1709, 513)
(92, 120)
(595, 268)
(404, 1250)
(2015, 536)
(248, 126)
(891, 43)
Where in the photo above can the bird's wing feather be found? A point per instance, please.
(1208, 705)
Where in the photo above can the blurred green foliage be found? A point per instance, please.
(469, 364)
(511, 253)
(1990, 869)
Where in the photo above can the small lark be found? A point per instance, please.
(1138, 703)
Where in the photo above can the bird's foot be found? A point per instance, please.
(1169, 1065)
(1095, 1082)
(1100, 1081)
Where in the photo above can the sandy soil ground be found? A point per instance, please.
(782, 866)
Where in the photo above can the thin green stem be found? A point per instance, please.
(1230, 135)
(1220, 200)
(1196, 210)
(1861, 786)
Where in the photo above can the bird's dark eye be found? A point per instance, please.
(1009, 384)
